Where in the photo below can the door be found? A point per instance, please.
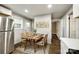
(6, 24)
(9, 24)
(72, 27)
(2, 23)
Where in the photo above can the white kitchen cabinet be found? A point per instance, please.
(69, 43)
(77, 28)
(72, 27)
(76, 10)
(76, 17)
(64, 48)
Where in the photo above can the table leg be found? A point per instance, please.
(34, 46)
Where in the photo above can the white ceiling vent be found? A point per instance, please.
(5, 11)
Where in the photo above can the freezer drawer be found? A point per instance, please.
(2, 42)
(6, 42)
(2, 24)
(9, 42)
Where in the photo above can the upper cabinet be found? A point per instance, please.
(5, 11)
(75, 10)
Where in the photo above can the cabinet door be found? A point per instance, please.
(72, 27)
(77, 28)
(76, 10)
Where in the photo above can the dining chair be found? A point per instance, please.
(43, 42)
(23, 40)
(26, 36)
(29, 35)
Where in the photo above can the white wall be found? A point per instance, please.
(54, 27)
(58, 28)
(44, 30)
(27, 27)
(18, 31)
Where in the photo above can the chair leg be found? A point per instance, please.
(20, 44)
(34, 46)
(38, 46)
(44, 49)
(25, 45)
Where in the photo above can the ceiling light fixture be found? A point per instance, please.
(26, 11)
(49, 6)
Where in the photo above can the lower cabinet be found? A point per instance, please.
(64, 48)
(77, 28)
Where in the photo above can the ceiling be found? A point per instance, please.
(57, 10)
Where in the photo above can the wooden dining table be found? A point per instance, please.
(33, 39)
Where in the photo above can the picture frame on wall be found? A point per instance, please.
(42, 24)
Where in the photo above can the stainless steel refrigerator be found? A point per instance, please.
(6, 35)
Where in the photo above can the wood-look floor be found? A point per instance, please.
(54, 47)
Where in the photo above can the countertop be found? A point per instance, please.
(71, 43)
